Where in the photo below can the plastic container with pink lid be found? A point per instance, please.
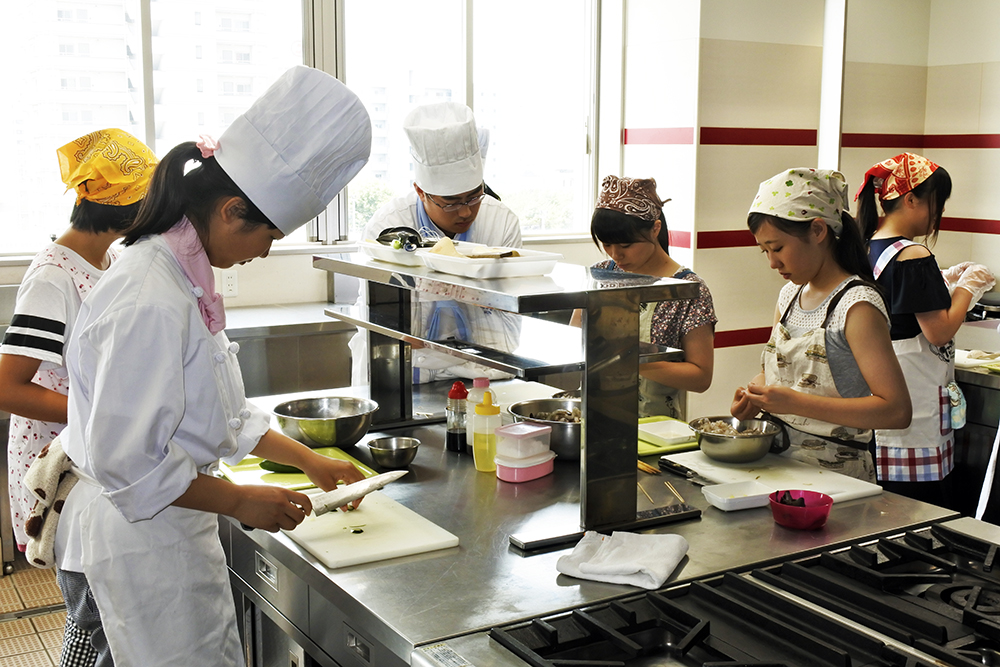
(524, 470)
(522, 440)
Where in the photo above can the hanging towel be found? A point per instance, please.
(625, 558)
(50, 480)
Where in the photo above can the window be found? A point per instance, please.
(551, 192)
(55, 102)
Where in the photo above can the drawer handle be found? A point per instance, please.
(266, 570)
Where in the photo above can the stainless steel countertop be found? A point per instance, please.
(484, 582)
(979, 378)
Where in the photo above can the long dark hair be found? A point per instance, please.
(849, 250)
(173, 194)
(936, 190)
(613, 227)
(88, 216)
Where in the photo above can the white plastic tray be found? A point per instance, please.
(386, 253)
(667, 432)
(530, 263)
(737, 495)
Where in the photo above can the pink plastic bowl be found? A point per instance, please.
(811, 517)
(524, 470)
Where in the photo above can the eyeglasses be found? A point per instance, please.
(447, 208)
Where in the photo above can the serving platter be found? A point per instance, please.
(529, 263)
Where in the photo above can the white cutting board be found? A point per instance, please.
(389, 530)
(779, 473)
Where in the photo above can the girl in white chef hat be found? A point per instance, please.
(828, 372)
(156, 397)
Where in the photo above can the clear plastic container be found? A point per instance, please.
(524, 470)
(522, 440)
(479, 385)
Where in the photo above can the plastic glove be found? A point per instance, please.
(953, 273)
(978, 280)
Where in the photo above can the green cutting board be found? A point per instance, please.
(649, 449)
(248, 471)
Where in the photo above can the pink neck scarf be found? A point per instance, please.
(190, 253)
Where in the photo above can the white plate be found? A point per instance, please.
(530, 263)
(386, 253)
(666, 433)
(737, 495)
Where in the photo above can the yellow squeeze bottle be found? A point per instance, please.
(484, 440)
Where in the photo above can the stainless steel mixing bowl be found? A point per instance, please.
(328, 421)
(565, 438)
(735, 448)
(393, 452)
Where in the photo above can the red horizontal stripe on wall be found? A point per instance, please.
(738, 337)
(919, 141)
(757, 136)
(680, 239)
(658, 135)
(970, 225)
(741, 238)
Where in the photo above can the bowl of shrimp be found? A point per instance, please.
(732, 440)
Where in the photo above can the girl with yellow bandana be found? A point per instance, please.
(110, 171)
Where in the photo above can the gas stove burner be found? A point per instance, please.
(985, 601)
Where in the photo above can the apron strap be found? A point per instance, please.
(891, 251)
(853, 444)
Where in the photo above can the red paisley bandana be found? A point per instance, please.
(631, 196)
(898, 175)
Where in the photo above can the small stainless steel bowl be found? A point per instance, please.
(565, 438)
(735, 448)
(328, 421)
(394, 452)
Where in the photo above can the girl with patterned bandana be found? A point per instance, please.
(926, 312)
(829, 373)
(110, 171)
(628, 224)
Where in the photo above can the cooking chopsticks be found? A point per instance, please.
(674, 491)
(645, 493)
(645, 467)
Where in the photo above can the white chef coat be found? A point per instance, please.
(495, 225)
(154, 399)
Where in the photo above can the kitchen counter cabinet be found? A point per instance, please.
(393, 606)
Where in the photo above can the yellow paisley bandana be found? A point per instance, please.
(108, 167)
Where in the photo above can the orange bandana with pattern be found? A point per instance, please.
(108, 167)
(898, 175)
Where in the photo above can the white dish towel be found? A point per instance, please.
(624, 558)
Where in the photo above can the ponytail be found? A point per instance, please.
(174, 194)
(867, 210)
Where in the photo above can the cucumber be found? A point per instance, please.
(279, 467)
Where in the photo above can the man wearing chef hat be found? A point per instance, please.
(449, 198)
(449, 195)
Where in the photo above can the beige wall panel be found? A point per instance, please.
(888, 31)
(728, 177)
(954, 96)
(771, 21)
(963, 31)
(673, 167)
(751, 84)
(954, 247)
(277, 279)
(661, 83)
(985, 250)
(881, 98)
(744, 287)
(734, 367)
(974, 181)
(989, 111)
(663, 20)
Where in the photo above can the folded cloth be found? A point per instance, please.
(624, 558)
(49, 480)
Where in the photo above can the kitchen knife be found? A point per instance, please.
(324, 502)
(684, 471)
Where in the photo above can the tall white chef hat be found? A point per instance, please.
(297, 147)
(444, 143)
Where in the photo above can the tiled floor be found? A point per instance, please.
(32, 616)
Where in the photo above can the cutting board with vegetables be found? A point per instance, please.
(249, 471)
(779, 473)
(379, 529)
(664, 435)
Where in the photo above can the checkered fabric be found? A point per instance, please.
(84, 642)
(919, 464)
(76, 649)
(944, 410)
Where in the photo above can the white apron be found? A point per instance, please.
(170, 577)
(928, 370)
(801, 364)
(655, 398)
